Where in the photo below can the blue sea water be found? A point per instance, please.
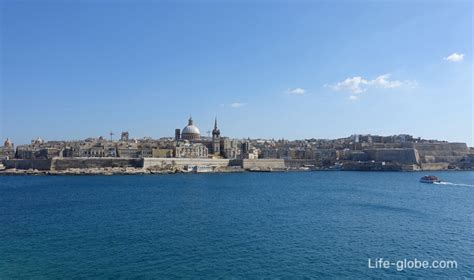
(241, 225)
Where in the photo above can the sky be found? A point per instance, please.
(265, 69)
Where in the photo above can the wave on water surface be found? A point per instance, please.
(453, 184)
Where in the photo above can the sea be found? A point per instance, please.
(289, 225)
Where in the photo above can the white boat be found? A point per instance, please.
(430, 179)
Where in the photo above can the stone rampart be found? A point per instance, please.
(263, 164)
(84, 163)
(39, 164)
(434, 166)
(296, 163)
(182, 162)
(400, 155)
(441, 152)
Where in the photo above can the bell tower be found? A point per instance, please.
(216, 139)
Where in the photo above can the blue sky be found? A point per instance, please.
(266, 69)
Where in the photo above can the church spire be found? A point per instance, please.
(216, 132)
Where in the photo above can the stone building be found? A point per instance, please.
(162, 153)
(47, 153)
(146, 152)
(124, 136)
(24, 152)
(231, 148)
(177, 134)
(191, 150)
(129, 152)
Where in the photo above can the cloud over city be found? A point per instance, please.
(296, 91)
(454, 57)
(237, 104)
(234, 105)
(358, 84)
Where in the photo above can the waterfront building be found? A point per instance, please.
(129, 152)
(92, 151)
(47, 153)
(162, 153)
(191, 150)
(252, 153)
(111, 151)
(67, 152)
(231, 148)
(146, 152)
(24, 152)
(124, 136)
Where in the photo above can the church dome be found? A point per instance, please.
(37, 141)
(190, 132)
(8, 143)
(191, 129)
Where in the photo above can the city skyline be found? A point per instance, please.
(313, 70)
(207, 133)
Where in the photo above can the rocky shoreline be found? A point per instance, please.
(104, 171)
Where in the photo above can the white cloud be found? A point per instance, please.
(455, 57)
(383, 81)
(296, 91)
(237, 104)
(353, 97)
(354, 85)
(358, 84)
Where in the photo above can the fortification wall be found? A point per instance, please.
(295, 163)
(83, 163)
(441, 152)
(235, 162)
(401, 155)
(182, 162)
(447, 149)
(372, 166)
(263, 164)
(435, 166)
(39, 164)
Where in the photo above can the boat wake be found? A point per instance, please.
(453, 184)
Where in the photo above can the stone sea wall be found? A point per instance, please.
(416, 156)
(59, 164)
(435, 166)
(39, 164)
(183, 162)
(442, 152)
(263, 164)
(296, 163)
(404, 156)
(84, 163)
